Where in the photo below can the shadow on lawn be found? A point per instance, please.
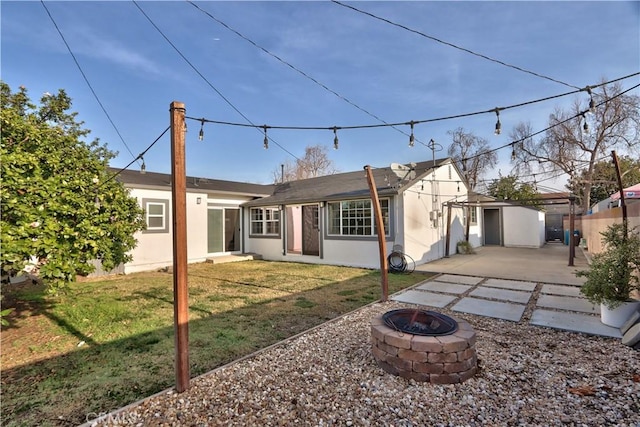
(76, 387)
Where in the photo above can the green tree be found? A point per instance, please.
(60, 207)
(605, 181)
(508, 188)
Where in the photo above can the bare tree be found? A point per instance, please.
(316, 162)
(578, 140)
(473, 156)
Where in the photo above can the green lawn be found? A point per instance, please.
(107, 343)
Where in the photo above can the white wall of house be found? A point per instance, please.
(155, 249)
(523, 227)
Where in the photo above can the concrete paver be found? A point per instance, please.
(465, 280)
(448, 288)
(510, 284)
(482, 307)
(501, 294)
(567, 303)
(573, 322)
(569, 291)
(424, 298)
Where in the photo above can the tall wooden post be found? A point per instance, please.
(384, 268)
(572, 214)
(623, 204)
(179, 209)
(448, 232)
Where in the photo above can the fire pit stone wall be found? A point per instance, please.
(445, 359)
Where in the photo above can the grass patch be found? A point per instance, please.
(107, 343)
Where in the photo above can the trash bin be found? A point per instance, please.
(566, 237)
(576, 237)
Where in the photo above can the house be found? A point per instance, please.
(328, 219)
(324, 220)
(214, 223)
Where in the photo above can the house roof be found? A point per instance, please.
(343, 186)
(154, 180)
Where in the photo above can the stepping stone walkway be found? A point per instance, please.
(556, 306)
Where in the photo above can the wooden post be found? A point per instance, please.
(572, 211)
(384, 269)
(623, 205)
(448, 232)
(179, 209)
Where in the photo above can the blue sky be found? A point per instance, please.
(392, 73)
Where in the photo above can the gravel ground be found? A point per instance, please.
(327, 376)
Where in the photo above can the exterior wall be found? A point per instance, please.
(423, 237)
(523, 227)
(155, 250)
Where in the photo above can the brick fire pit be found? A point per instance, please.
(444, 359)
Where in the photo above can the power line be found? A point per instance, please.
(299, 71)
(453, 45)
(205, 79)
(95, 95)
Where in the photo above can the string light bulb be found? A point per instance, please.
(266, 139)
(585, 127)
(498, 125)
(412, 139)
(201, 133)
(513, 151)
(592, 103)
(335, 138)
(143, 167)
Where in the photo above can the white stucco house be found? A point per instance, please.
(324, 220)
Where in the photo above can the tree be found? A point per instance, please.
(315, 163)
(577, 139)
(61, 208)
(508, 188)
(606, 181)
(474, 157)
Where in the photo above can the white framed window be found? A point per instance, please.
(474, 215)
(356, 218)
(265, 221)
(156, 213)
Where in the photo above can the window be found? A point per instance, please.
(265, 221)
(356, 218)
(474, 215)
(156, 215)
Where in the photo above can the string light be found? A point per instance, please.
(412, 138)
(513, 152)
(498, 125)
(201, 133)
(585, 127)
(335, 138)
(266, 139)
(592, 103)
(143, 167)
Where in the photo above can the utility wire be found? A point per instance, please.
(306, 75)
(95, 95)
(141, 155)
(452, 45)
(205, 79)
(457, 116)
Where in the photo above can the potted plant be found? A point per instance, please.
(614, 275)
(464, 247)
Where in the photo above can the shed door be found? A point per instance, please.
(492, 227)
